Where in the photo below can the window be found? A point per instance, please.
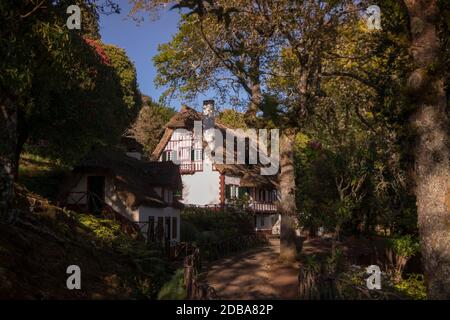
(167, 229)
(167, 155)
(151, 229)
(174, 228)
(183, 153)
(196, 154)
(262, 221)
(262, 195)
(160, 229)
(274, 195)
(242, 192)
(167, 195)
(274, 219)
(231, 191)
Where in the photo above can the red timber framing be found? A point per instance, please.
(222, 189)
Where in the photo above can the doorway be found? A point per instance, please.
(96, 193)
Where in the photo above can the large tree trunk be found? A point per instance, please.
(288, 250)
(8, 138)
(430, 124)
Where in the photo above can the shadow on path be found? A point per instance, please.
(254, 274)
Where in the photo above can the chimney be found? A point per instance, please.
(208, 114)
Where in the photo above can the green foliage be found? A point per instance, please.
(151, 267)
(413, 287)
(150, 123)
(214, 226)
(189, 232)
(405, 246)
(105, 230)
(232, 119)
(68, 97)
(218, 233)
(126, 72)
(185, 65)
(42, 176)
(174, 289)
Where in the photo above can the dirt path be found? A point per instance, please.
(254, 274)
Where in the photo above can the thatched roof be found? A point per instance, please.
(184, 119)
(134, 178)
(250, 174)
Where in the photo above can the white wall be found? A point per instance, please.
(112, 197)
(202, 187)
(232, 180)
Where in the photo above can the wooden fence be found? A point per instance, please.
(195, 289)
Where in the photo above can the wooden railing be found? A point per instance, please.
(105, 210)
(262, 207)
(191, 166)
(253, 207)
(195, 289)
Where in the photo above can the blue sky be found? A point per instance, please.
(140, 42)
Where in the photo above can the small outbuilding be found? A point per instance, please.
(145, 192)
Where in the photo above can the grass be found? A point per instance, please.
(173, 289)
(42, 176)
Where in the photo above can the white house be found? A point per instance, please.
(142, 191)
(209, 184)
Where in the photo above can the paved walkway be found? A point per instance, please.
(254, 274)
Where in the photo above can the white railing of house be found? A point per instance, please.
(252, 207)
(262, 206)
(191, 166)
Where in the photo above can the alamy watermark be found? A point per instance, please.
(251, 146)
(374, 280)
(373, 17)
(74, 20)
(74, 280)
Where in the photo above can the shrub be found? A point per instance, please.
(405, 246)
(199, 225)
(148, 258)
(188, 231)
(413, 287)
(174, 288)
(400, 250)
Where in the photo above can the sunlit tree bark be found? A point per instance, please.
(430, 125)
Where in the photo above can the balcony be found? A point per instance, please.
(191, 166)
(257, 206)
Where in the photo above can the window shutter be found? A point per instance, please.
(192, 154)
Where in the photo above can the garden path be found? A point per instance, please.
(254, 274)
